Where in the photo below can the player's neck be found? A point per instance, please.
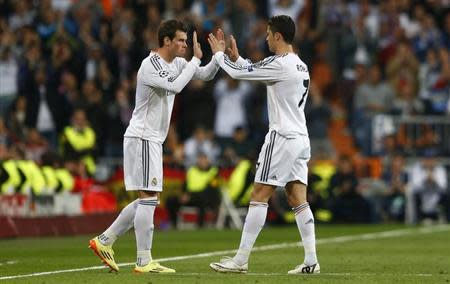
(284, 48)
(165, 54)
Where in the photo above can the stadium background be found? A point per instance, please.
(377, 110)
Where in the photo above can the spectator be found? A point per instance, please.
(429, 186)
(8, 78)
(119, 114)
(5, 136)
(35, 145)
(318, 115)
(22, 15)
(46, 109)
(237, 148)
(349, 206)
(292, 8)
(78, 141)
(96, 112)
(17, 119)
(200, 190)
(406, 102)
(395, 177)
(371, 98)
(403, 68)
(230, 96)
(200, 142)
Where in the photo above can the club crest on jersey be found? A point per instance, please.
(154, 181)
(163, 73)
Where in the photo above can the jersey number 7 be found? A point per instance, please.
(306, 85)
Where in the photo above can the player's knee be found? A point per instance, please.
(261, 193)
(295, 200)
(147, 194)
(296, 194)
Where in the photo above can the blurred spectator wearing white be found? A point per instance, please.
(8, 78)
(200, 142)
(22, 15)
(292, 8)
(428, 184)
(230, 96)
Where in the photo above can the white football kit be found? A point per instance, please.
(286, 150)
(157, 84)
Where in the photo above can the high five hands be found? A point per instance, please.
(218, 44)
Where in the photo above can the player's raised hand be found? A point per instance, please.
(220, 36)
(196, 46)
(233, 51)
(216, 44)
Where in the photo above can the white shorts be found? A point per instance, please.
(142, 164)
(282, 160)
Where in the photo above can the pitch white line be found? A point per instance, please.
(9, 262)
(341, 239)
(323, 274)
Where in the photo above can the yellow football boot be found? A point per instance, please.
(153, 267)
(106, 253)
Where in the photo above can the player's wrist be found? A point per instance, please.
(195, 60)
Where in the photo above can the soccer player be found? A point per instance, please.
(286, 151)
(161, 75)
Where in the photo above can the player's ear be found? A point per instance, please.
(277, 36)
(167, 41)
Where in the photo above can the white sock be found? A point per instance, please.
(254, 222)
(143, 228)
(122, 224)
(305, 224)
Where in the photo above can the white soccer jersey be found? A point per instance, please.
(287, 80)
(157, 83)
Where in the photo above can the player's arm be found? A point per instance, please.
(208, 71)
(268, 69)
(160, 79)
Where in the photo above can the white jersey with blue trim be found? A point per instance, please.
(287, 79)
(157, 84)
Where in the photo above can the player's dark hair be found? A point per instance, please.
(169, 28)
(284, 25)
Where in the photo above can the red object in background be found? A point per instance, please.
(82, 184)
(97, 200)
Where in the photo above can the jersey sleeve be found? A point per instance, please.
(268, 69)
(242, 61)
(157, 77)
(207, 72)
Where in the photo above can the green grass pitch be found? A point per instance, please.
(347, 254)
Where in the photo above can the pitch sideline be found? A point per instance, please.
(341, 239)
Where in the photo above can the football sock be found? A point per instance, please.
(254, 222)
(143, 228)
(122, 224)
(305, 224)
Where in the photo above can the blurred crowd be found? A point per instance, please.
(68, 71)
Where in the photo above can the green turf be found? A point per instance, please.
(398, 259)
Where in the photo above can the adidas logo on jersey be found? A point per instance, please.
(274, 177)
